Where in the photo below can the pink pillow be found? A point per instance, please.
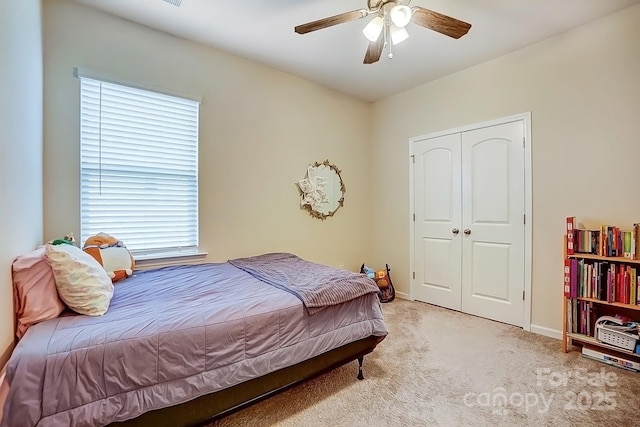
(34, 291)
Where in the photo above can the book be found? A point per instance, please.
(626, 239)
(633, 278)
(567, 278)
(589, 307)
(569, 309)
(611, 283)
(591, 293)
(571, 225)
(574, 278)
(602, 268)
(609, 359)
(595, 241)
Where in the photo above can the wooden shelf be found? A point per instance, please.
(612, 304)
(592, 341)
(569, 338)
(617, 259)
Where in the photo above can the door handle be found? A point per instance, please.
(455, 231)
(467, 231)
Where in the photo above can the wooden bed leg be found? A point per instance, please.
(360, 360)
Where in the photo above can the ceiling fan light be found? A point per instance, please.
(398, 35)
(400, 15)
(373, 29)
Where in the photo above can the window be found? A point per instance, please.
(138, 167)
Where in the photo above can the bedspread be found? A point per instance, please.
(169, 336)
(318, 286)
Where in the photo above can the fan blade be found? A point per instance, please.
(374, 51)
(443, 24)
(331, 21)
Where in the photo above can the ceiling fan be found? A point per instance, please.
(388, 25)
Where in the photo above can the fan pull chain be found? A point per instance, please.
(387, 36)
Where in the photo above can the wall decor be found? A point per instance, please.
(322, 190)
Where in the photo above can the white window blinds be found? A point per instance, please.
(139, 167)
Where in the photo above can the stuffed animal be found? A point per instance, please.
(66, 240)
(368, 271)
(382, 279)
(112, 254)
(387, 292)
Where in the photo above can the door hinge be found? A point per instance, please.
(523, 142)
(524, 218)
(522, 295)
(413, 158)
(414, 217)
(414, 274)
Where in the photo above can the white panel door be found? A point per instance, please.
(493, 222)
(437, 237)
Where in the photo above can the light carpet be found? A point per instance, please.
(438, 367)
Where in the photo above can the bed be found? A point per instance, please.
(183, 345)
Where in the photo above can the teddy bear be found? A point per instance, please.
(112, 254)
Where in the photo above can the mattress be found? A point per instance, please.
(171, 335)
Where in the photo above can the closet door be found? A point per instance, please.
(469, 221)
(437, 237)
(493, 222)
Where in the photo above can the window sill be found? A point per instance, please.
(148, 261)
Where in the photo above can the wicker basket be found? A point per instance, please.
(616, 338)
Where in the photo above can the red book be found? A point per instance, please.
(571, 225)
(627, 286)
(625, 293)
(567, 278)
(629, 283)
(619, 286)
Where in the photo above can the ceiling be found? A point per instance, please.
(262, 31)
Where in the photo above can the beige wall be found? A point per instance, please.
(583, 90)
(260, 129)
(20, 145)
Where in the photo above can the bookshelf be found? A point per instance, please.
(599, 285)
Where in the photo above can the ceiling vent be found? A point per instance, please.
(174, 2)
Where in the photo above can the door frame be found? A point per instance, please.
(528, 211)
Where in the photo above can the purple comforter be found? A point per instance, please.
(318, 286)
(170, 335)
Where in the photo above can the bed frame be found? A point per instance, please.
(206, 409)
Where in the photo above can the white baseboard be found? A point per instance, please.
(547, 332)
(402, 295)
(536, 329)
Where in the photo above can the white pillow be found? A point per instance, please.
(81, 281)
